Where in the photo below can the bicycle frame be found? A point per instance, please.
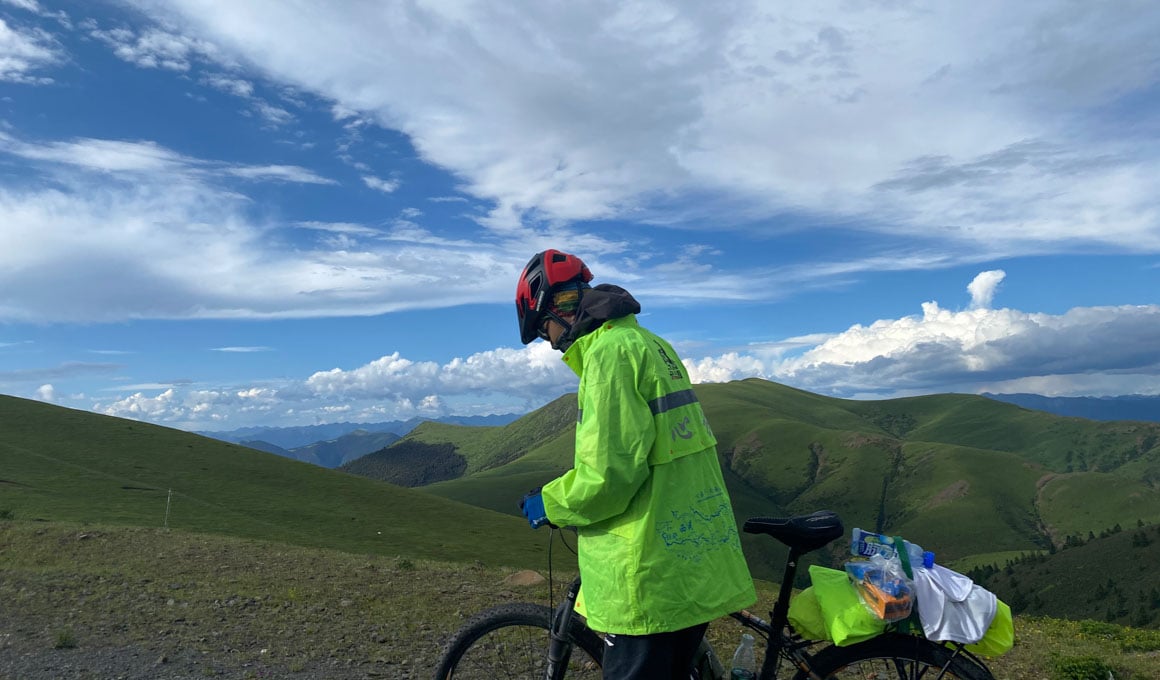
(778, 633)
(782, 641)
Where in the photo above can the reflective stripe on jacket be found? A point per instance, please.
(658, 544)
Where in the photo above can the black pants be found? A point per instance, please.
(660, 656)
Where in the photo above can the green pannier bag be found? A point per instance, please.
(1000, 636)
(805, 615)
(831, 609)
(844, 620)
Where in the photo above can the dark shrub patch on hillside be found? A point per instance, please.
(1110, 577)
(897, 424)
(410, 463)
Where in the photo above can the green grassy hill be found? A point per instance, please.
(960, 474)
(315, 569)
(60, 464)
(1108, 578)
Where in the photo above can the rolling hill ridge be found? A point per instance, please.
(59, 464)
(960, 474)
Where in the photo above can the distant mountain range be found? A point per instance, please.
(288, 438)
(334, 445)
(1128, 407)
(331, 453)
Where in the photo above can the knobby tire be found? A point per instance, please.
(894, 657)
(511, 641)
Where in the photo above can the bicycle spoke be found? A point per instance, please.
(891, 669)
(518, 652)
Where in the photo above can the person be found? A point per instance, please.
(658, 547)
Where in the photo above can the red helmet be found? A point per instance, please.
(545, 272)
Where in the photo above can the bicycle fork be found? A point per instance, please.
(560, 645)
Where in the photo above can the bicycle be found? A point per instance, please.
(527, 640)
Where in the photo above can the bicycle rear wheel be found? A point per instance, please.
(895, 657)
(511, 641)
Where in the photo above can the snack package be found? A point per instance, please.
(882, 586)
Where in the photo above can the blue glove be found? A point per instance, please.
(532, 506)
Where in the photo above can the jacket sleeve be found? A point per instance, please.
(614, 435)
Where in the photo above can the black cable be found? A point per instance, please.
(551, 574)
(551, 581)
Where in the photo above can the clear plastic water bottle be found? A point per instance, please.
(744, 665)
(868, 544)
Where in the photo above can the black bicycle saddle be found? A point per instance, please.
(801, 532)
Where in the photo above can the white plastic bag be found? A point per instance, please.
(951, 606)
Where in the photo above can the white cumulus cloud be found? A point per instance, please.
(528, 372)
(982, 288)
(391, 387)
(1086, 350)
(975, 350)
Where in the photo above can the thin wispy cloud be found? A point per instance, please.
(776, 110)
(142, 156)
(340, 228)
(64, 370)
(100, 154)
(155, 48)
(274, 115)
(210, 260)
(236, 86)
(147, 387)
(282, 173)
(26, 52)
(242, 350)
(29, 5)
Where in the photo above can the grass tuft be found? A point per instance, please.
(1126, 638)
(1081, 668)
(65, 639)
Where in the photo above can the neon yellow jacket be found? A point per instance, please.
(658, 545)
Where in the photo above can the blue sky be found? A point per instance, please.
(216, 214)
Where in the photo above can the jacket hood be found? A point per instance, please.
(599, 304)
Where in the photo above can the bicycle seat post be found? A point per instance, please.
(780, 613)
(801, 534)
